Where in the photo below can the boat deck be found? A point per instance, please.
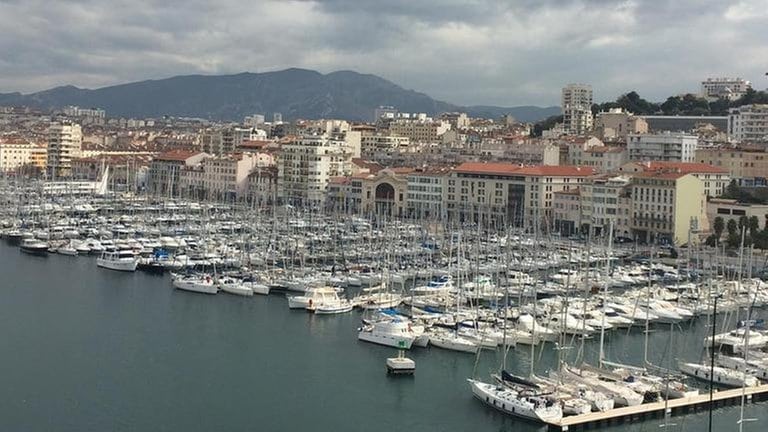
(656, 409)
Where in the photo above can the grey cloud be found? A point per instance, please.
(463, 51)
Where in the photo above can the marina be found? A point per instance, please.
(477, 297)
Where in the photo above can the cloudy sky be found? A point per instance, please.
(505, 52)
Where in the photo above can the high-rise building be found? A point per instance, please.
(749, 123)
(576, 103)
(65, 141)
(277, 117)
(307, 164)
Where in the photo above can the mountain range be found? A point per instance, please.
(295, 93)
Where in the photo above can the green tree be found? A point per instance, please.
(545, 124)
(732, 227)
(753, 224)
(733, 241)
(719, 107)
(718, 226)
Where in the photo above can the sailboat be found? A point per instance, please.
(517, 403)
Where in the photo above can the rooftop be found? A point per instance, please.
(682, 167)
(605, 149)
(177, 155)
(661, 175)
(498, 168)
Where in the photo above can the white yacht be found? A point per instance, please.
(526, 323)
(621, 395)
(516, 403)
(33, 246)
(733, 342)
(313, 298)
(196, 283)
(722, 376)
(341, 306)
(446, 339)
(390, 331)
(374, 298)
(235, 286)
(121, 260)
(67, 249)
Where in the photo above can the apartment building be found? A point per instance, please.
(262, 185)
(457, 120)
(666, 205)
(728, 88)
(714, 179)
(307, 164)
(222, 178)
(605, 200)
(528, 152)
(165, 171)
(748, 123)
(65, 140)
(227, 140)
(603, 159)
(673, 147)
(576, 103)
(616, 124)
(14, 154)
(505, 193)
(426, 193)
(748, 166)
(374, 146)
(419, 130)
(38, 157)
(566, 212)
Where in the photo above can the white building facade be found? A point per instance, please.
(306, 165)
(576, 103)
(65, 140)
(670, 147)
(749, 123)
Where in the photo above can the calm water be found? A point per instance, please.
(85, 349)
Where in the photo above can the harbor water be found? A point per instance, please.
(87, 349)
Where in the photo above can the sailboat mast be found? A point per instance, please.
(605, 292)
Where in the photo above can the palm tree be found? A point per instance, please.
(718, 226)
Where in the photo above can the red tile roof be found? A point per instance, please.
(369, 165)
(498, 168)
(683, 167)
(661, 175)
(339, 180)
(177, 155)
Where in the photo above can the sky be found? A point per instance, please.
(469, 52)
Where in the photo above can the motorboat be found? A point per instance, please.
(33, 246)
(120, 260)
(389, 331)
(313, 298)
(342, 306)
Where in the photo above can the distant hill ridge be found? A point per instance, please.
(296, 93)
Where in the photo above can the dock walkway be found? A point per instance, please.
(656, 409)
